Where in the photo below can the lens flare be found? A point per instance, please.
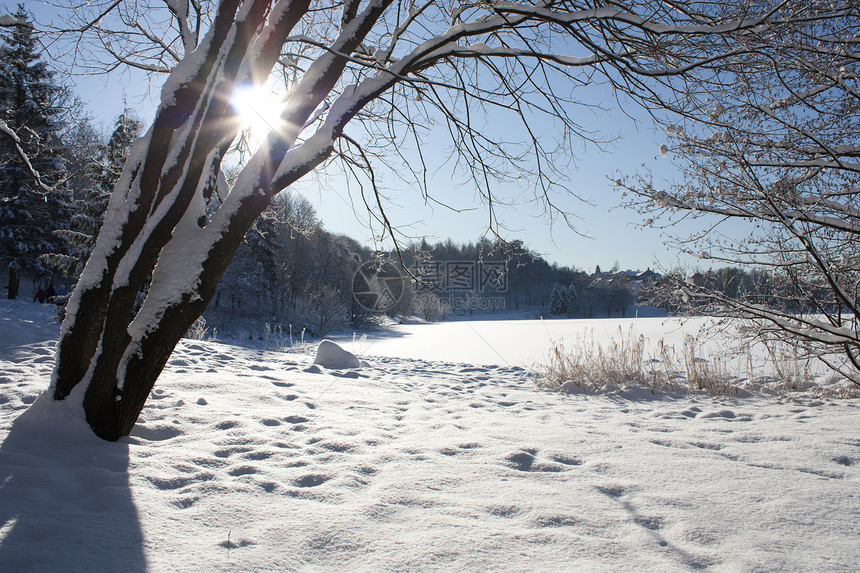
(258, 108)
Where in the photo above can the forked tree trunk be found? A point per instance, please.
(101, 348)
(112, 410)
(156, 225)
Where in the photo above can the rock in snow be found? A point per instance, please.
(330, 355)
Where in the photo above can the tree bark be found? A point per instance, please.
(14, 281)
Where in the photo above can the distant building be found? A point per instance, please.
(648, 276)
(696, 279)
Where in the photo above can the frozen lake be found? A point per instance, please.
(519, 342)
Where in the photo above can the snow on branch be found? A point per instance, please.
(16, 143)
(9, 21)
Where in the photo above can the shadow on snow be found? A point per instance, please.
(65, 499)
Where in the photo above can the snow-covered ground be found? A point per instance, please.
(252, 460)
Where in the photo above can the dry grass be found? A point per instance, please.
(710, 376)
(589, 367)
(199, 331)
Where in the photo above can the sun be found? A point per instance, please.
(258, 108)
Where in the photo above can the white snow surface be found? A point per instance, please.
(254, 460)
(509, 339)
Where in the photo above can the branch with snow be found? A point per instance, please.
(22, 155)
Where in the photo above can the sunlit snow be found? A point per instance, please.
(249, 459)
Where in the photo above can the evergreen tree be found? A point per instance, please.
(572, 300)
(558, 301)
(29, 105)
(97, 178)
(126, 130)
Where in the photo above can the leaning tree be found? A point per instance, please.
(360, 79)
(768, 148)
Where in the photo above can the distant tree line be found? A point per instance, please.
(526, 282)
(290, 273)
(714, 291)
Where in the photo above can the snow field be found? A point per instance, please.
(254, 460)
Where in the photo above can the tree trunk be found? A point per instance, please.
(156, 222)
(122, 380)
(14, 281)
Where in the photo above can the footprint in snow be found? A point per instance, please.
(566, 460)
(179, 482)
(526, 461)
(350, 374)
(227, 452)
(707, 446)
(556, 521)
(504, 510)
(652, 523)
(612, 491)
(227, 544)
(460, 449)
(340, 447)
(311, 480)
(728, 414)
(243, 471)
(691, 412)
(185, 502)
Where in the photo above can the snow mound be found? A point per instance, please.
(330, 355)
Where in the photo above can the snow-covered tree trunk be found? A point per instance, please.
(155, 225)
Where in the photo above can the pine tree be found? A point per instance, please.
(100, 177)
(558, 301)
(572, 300)
(29, 106)
(127, 129)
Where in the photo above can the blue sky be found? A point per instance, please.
(611, 233)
